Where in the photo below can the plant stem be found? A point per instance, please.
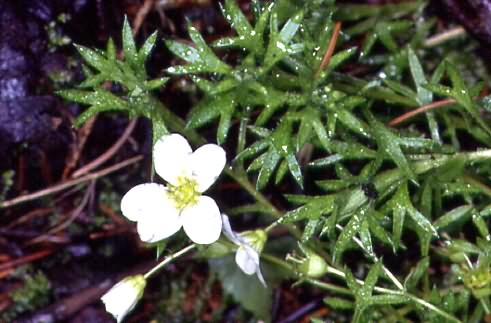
(272, 225)
(416, 299)
(167, 260)
(432, 307)
(246, 185)
(287, 266)
(474, 182)
(330, 287)
(444, 36)
(374, 258)
(345, 291)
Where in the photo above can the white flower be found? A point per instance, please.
(250, 244)
(160, 211)
(123, 296)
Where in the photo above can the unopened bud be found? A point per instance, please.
(256, 239)
(124, 296)
(312, 265)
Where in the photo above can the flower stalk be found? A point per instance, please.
(168, 260)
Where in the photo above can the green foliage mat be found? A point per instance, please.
(381, 150)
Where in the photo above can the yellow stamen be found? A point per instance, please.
(184, 193)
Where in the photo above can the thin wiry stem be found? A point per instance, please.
(421, 109)
(64, 185)
(330, 48)
(444, 36)
(167, 260)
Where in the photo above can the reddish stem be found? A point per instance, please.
(330, 48)
(419, 110)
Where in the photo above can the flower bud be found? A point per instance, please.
(256, 239)
(477, 278)
(312, 265)
(124, 296)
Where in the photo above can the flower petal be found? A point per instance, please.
(247, 259)
(202, 222)
(123, 296)
(206, 164)
(160, 225)
(143, 200)
(229, 233)
(171, 157)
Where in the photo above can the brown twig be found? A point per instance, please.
(29, 216)
(108, 153)
(26, 259)
(70, 183)
(419, 110)
(444, 36)
(64, 224)
(141, 15)
(109, 211)
(330, 48)
(76, 148)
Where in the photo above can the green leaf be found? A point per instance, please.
(155, 83)
(146, 49)
(246, 290)
(158, 128)
(389, 144)
(236, 18)
(400, 205)
(480, 224)
(417, 273)
(311, 229)
(453, 216)
(398, 217)
(340, 57)
(404, 201)
(92, 57)
(222, 106)
(367, 288)
(424, 96)
(129, 47)
(461, 93)
(294, 168)
(201, 59)
(383, 32)
(366, 238)
(184, 51)
(99, 100)
(378, 231)
(312, 209)
(389, 299)
(279, 44)
(347, 234)
(339, 303)
(271, 160)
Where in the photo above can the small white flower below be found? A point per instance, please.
(250, 245)
(160, 211)
(124, 296)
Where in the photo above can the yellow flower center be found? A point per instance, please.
(184, 193)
